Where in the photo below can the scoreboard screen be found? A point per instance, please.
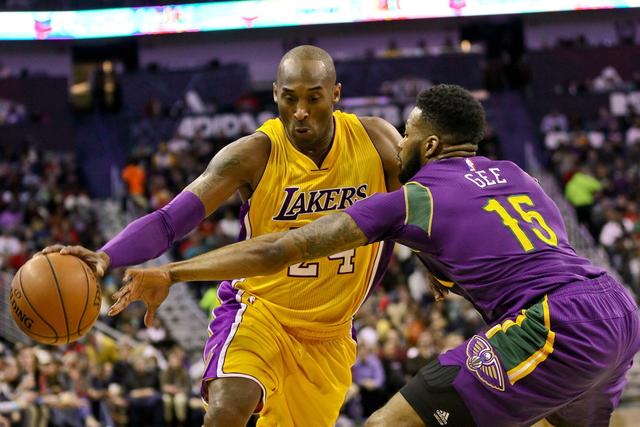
(248, 14)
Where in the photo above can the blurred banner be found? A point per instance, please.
(221, 87)
(233, 15)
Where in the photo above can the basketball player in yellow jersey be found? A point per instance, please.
(315, 301)
(290, 332)
(281, 344)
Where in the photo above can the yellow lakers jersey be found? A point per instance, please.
(315, 299)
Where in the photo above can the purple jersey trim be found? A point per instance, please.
(244, 221)
(222, 329)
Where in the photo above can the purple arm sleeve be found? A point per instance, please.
(381, 216)
(149, 236)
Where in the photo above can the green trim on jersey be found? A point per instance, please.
(419, 205)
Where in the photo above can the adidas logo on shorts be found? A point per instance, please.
(441, 417)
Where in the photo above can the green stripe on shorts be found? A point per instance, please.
(518, 343)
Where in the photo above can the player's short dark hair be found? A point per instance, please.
(454, 112)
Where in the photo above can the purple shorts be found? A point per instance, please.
(565, 356)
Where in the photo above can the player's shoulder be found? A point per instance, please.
(382, 133)
(245, 155)
(257, 141)
(379, 127)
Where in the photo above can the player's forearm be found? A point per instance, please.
(271, 253)
(256, 257)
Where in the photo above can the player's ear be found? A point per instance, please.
(275, 93)
(337, 90)
(431, 146)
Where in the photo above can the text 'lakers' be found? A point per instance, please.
(298, 202)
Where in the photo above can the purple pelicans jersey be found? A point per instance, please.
(561, 333)
(485, 229)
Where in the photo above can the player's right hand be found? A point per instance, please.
(97, 261)
(149, 285)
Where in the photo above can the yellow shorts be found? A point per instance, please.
(304, 382)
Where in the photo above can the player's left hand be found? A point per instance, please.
(149, 285)
(439, 292)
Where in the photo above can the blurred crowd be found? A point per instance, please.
(42, 201)
(598, 164)
(98, 382)
(608, 80)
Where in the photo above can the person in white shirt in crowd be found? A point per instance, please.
(615, 228)
(633, 133)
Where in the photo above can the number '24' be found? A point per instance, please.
(539, 226)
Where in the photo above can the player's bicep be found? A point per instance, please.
(328, 235)
(381, 216)
(234, 166)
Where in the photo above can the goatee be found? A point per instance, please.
(410, 168)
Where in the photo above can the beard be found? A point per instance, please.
(411, 167)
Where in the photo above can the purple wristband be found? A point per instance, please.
(151, 235)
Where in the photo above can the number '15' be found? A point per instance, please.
(539, 226)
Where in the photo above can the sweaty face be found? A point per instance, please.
(411, 146)
(305, 98)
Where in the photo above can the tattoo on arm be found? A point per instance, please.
(221, 166)
(328, 235)
(217, 168)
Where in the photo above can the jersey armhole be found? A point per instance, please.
(266, 165)
(375, 147)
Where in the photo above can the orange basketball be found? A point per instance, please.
(55, 299)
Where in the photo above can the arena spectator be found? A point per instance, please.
(608, 80)
(553, 122)
(134, 176)
(143, 395)
(368, 374)
(616, 227)
(175, 384)
(632, 137)
(418, 356)
(580, 192)
(392, 358)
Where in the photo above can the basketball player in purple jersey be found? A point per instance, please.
(561, 332)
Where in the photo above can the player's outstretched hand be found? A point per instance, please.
(149, 285)
(98, 261)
